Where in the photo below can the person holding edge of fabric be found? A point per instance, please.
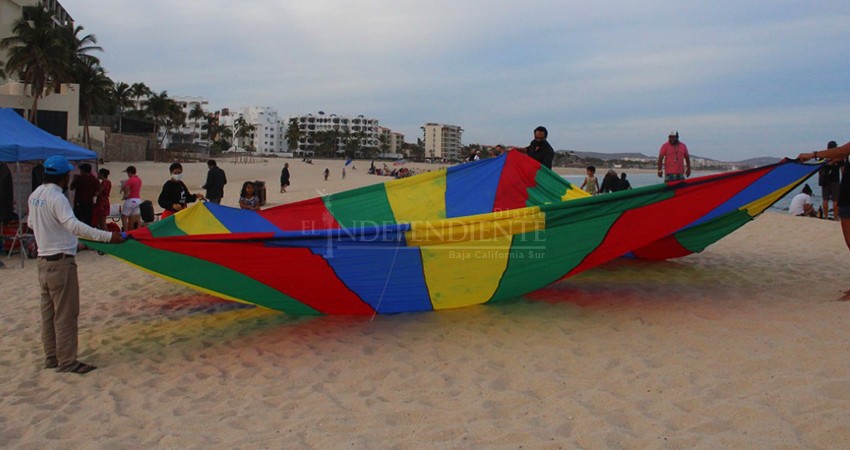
(838, 153)
(175, 195)
(56, 229)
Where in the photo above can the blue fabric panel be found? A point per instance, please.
(471, 187)
(392, 282)
(780, 177)
(241, 220)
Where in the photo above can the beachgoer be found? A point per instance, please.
(343, 173)
(216, 179)
(674, 159)
(175, 195)
(801, 204)
(540, 150)
(327, 173)
(101, 207)
(498, 150)
(284, 178)
(131, 215)
(590, 183)
(85, 187)
(623, 184)
(609, 182)
(839, 153)
(247, 199)
(829, 179)
(56, 229)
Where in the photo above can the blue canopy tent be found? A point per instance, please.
(21, 141)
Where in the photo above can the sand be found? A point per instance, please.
(742, 346)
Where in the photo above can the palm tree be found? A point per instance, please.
(197, 113)
(37, 53)
(159, 108)
(293, 134)
(95, 90)
(80, 47)
(243, 130)
(139, 90)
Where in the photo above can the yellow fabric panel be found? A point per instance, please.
(199, 220)
(421, 197)
(757, 207)
(447, 274)
(573, 193)
(486, 227)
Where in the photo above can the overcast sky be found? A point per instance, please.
(737, 79)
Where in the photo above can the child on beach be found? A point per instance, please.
(327, 173)
(591, 184)
(247, 199)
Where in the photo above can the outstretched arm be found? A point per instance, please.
(831, 154)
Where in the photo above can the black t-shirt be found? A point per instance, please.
(844, 191)
(542, 152)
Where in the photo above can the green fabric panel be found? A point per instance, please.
(573, 230)
(202, 273)
(541, 258)
(165, 228)
(696, 239)
(366, 206)
(549, 187)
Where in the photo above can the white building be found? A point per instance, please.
(364, 128)
(393, 141)
(442, 142)
(268, 134)
(192, 132)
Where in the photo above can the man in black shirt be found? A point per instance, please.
(539, 149)
(216, 179)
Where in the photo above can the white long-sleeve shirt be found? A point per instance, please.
(54, 225)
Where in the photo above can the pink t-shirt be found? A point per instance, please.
(674, 158)
(134, 187)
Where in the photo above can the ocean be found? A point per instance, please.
(647, 179)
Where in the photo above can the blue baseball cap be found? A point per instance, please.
(57, 165)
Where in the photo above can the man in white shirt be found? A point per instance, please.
(56, 229)
(801, 204)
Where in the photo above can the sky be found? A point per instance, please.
(736, 79)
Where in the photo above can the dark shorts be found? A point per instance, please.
(844, 212)
(830, 192)
(674, 177)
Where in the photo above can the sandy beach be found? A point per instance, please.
(741, 346)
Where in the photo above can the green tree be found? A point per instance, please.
(139, 90)
(160, 108)
(37, 54)
(243, 130)
(95, 89)
(197, 113)
(293, 134)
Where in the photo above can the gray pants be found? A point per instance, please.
(217, 201)
(60, 307)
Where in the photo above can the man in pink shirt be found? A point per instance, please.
(674, 159)
(131, 215)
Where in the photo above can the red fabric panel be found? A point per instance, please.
(644, 225)
(296, 272)
(141, 233)
(666, 248)
(518, 175)
(305, 215)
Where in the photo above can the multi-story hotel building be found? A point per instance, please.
(442, 142)
(192, 131)
(267, 136)
(394, 143)
(310, 124)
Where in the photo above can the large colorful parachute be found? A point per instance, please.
(475, 233)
